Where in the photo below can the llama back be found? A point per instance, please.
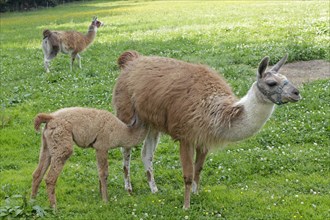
(174, 97)
(67, 41)
(72, 41)
(75, 41)
(85, 123)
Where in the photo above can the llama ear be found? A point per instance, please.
(280, 63)
(133, 121)
(263, 66)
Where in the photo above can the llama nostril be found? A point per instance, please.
(296, 92)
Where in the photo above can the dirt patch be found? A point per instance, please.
(306, 71)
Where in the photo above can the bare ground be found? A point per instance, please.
(306, 71)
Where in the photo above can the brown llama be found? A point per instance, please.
(68, 42)
(195, 106)
(98, 129)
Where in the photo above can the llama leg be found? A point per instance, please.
(38, 174)
(102, 165)
(79, 60)
(47, 61)
(46, 64)
(48, 57)
(147, 154)
(201, 154)
(126, 167)
(46, 50)
(186, 156)
(73, 57)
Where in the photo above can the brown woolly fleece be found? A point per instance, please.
(191, 102)
(194, 105)
(86, 127)
(69, 40)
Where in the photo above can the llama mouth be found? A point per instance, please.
(294, 99)
(290, 99)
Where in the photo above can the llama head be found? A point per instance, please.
(96, 22)
(274, 86)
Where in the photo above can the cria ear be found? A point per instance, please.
(263, 66)
(280, 63)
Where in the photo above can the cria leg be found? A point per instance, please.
(102, 165)
(38, 174)
(126, 167)
(60, 146)
(147, 154)
(201, 154)
(56, 167)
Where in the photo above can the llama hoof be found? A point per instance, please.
(129, 190)
(194, 188)
(153, 188)
(128, 187)
(54, 209)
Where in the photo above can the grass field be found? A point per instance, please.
(281, 173)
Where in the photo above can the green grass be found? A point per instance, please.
(281, 173)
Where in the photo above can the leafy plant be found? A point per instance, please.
(16, 206)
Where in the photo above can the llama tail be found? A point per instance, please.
(41, 118)
(46, 33)
(127, 57)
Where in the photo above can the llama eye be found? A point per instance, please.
(271, 83)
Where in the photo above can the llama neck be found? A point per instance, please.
(90, 36)
(256, 112)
